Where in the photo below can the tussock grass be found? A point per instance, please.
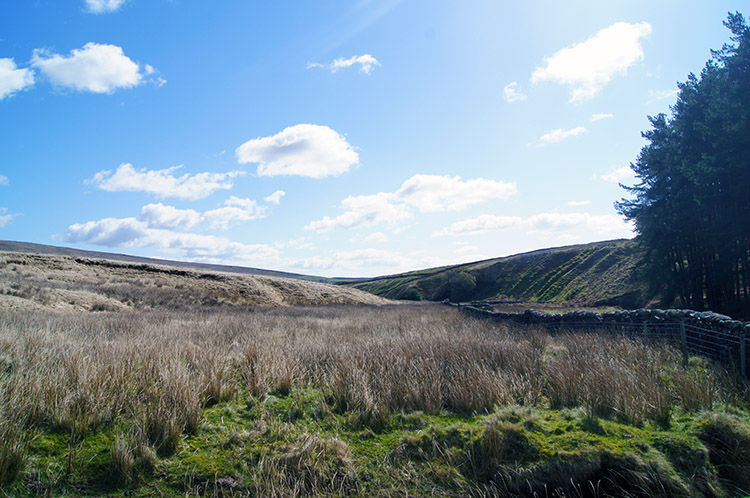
(320, 396)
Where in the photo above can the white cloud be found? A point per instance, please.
(425, 193)
(366, 63)
(305, 149)
(365, 262)
(481, 224)
(571, 225)
(13, 79)
(617, 174)
(559, 134)
(364, 210)
(275, 198)
(132, 232)
(5, 217)
(102, 6)
(512, 94)
(161, 216)
(377, 237)
(578, 203)
(163, 182)
(656, 95)
(605, 225)
(435, 193)
(235, 209)
(600, 116)
(3, 180)
(97, 68)
(589, 66)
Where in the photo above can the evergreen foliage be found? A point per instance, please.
(692, 204)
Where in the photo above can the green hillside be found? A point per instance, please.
(596, 274)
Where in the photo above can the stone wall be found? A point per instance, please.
(703, 333)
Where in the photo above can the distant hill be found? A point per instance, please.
(29, 247)
(596, 274)
(32, 280)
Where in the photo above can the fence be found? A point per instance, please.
(699, 333)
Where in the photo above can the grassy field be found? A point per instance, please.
(355, 401)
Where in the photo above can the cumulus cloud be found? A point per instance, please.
(435, 193)
(133, 232)
(423, 193)
(482, 224)
(364, 210)
(13, 79)
(587, 67)
(512, 94)
(600, 116)
(163, 182)
(616, 175)
(366, 63)
(3, 180)
(5, 217)
(102, 6)
(305, 150)
(275, 198)
(559, 134)
(169, 217)
(97, 68)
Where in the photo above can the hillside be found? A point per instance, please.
(47, 281)
(596, 274)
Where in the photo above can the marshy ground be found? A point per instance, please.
(356, 401)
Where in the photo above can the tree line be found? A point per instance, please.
(691, 204)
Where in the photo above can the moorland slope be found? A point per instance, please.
(597, 274)
(37, 281)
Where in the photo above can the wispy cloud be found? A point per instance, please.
(512, 94)
(304, 150)
(365, 62)
(587, 67)
(97, 68)
(163, 182)
(571, 224)
(560, 134)
(132, 232)
(3, 180)
(482, 224)
(616, 175)
(13, 79)
(103, 6)
(600, 116)
(5, 217)
(275, 198)
(422, 193)
(656, 95)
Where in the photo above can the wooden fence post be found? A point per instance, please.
(683, 339)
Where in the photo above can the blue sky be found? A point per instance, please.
(335, 138)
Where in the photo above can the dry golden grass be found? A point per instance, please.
(36, 282)
(151, 374)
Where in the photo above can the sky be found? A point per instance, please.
(333, 138)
